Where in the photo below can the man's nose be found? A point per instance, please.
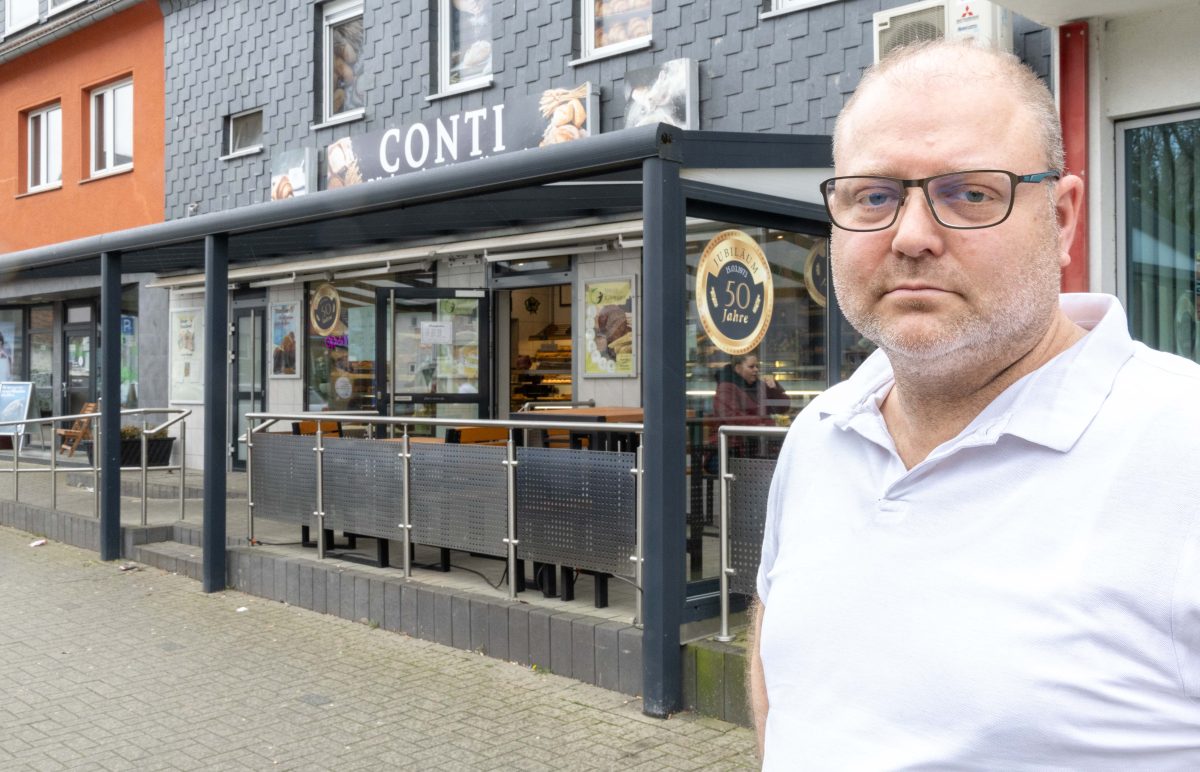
(917, 230)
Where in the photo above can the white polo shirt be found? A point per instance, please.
(1027, 597)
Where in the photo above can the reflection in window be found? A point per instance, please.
(11, 328)
(615, 24)
(342, 49)
(112, 127)
(465, 43)
(1162, 234)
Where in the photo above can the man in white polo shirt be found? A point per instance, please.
(982, 551)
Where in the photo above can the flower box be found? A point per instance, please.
(158, 451)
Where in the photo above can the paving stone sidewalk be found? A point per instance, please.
(111, 670)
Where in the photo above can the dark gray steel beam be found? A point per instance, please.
(216, 346)
(599, 153)
(109, 450)
(663, 386)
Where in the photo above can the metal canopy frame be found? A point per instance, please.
(608, 176)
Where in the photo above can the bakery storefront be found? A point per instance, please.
(639, 270)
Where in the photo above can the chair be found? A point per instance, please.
(80, 430)
(478, 435)
(328, 428)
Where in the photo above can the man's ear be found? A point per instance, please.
(1068, 201)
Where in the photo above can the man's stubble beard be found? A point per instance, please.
(1016, 319)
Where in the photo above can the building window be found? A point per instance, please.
(62, 5)
(1159, 159)
(243, 132)
(464, 44)
(45, 148)
(19, 14)
(112, 128)
(793, 5)
(342, 48)
(612, 26)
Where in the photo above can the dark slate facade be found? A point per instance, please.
(786, 73)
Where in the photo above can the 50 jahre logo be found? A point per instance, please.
(734, 292)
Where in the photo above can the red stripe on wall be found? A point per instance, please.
(1073, 106)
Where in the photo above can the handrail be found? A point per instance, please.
(556, 404)
(726, 477)
(406, 452)
(93, 419)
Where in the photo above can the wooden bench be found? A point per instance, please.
(478, 435)
(328, 428)
(80, 430)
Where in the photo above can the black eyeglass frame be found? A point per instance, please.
(923, 184)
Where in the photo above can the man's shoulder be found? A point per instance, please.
(1159, 375)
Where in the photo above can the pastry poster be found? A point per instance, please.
(668, 93)
(187, 355)
(292, 173)
(548, 117)
(610, 328)
(285, 331)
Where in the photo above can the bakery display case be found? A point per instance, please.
(542, 367)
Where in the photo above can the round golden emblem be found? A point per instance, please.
(734, 292)
(325, 309)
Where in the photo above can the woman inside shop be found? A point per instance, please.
(743, 398)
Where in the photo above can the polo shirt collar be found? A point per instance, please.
(1051, 406)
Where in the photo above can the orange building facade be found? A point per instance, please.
(82, 91)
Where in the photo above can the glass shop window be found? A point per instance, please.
(464, 44)
(613, 26)
(343, 94)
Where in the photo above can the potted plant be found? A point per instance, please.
(158, 447)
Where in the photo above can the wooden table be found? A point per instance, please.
(596, 440)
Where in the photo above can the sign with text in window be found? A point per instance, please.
(735, 294)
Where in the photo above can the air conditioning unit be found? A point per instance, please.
(980, 20)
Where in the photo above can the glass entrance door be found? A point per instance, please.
(248, 379)
(79, 385)
(433, 349)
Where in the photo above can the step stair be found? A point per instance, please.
(173, 556)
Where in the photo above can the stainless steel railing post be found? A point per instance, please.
(16, 443)
(95, 423)
(54, 468)
(250, 480)
(638, 471)
(182, 465)
(320, 513)
(723, 533)
(144, 475)
(406, 513)
(511, 462)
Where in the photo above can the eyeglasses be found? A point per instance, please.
(964, 200)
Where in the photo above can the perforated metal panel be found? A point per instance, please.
(459, 497)
(747, 514)
(284, 474)
(364, 487)
(577, 508)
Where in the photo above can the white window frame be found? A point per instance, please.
(588, 48)
(333, 14)
(106, 92)
(230, 150)
(780, 7)
(51, 148)
(58, 6)
(444, 86)
(21, 22)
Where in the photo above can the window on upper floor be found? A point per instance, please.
(112, 128)
(464, 44)
(341, 51)
(45, 148)
(613, 26)
(793, 5)
(61, 5)
(19, 14)
(243, 132)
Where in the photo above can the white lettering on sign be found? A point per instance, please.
(473, 117)
(447, 139)
(389, 166)
(498, 127)
(414, 161)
